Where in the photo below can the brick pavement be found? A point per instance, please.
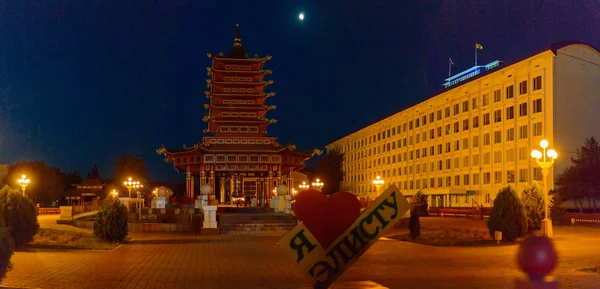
(188, 261)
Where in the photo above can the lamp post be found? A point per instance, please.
(23, 182)
(545, 160)
(317, 184)
(114, 193)
(131, 184)
(303, 186)
(378, 182)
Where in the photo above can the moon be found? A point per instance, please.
(301, 16)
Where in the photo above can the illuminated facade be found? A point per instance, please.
(462, 146)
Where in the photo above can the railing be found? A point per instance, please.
(587, 218)
(47, 211)
(457, 211)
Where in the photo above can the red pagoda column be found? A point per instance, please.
(290, 182)
(269, 187)
(212, 180)
(189, 182)
(202, 176)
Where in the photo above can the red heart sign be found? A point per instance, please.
(326, 218)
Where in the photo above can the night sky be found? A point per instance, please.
(84, 82)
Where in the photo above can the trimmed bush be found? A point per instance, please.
(420, 201)
(414, 225)
(20, 216)
(533, 203)
(6, 250)
(111, 222)
(508, 216)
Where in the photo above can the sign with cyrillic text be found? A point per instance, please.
(325, 265)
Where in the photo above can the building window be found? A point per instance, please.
(486, 139)
(523, 154)
(476, 179)
(456, 145)
(523, 132)
(510, 112)
(537, 129)
(475, 122)
(537, 83)
(447, 112)
(523, 175)
(457, 180)
(439, 114)
(498, 177)
(510, 155)
(537, 174)
(486, 119)
(497, 137)
(465, 161)
(476, 141)
(475, 103)
(510, 134)
(497, 96)
(486, 158)
(498, 115)
(486, 178)
(465, 106)
(523, 87)
(510, 93)
(537, 105)
(497, 157)
(510, 176)
(456, 109)
(476, 160)
(448, 131)
(485, 100)
(523, 109)
(465, 143)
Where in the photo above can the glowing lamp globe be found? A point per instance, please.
(536, 154)
(552, 154)
(206, 189)
(537, 257)
(544, 143)
(282, 190)
(301, 16)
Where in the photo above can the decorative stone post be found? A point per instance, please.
(537, 258)
(202, 200)
(282, 202)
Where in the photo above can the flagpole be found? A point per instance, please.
(475, 54)
(449, 69)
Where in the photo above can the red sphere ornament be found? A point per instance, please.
(537, 257)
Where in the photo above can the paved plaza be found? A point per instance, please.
(191, 261)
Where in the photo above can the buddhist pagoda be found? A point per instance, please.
(236, 157)
(86, 191)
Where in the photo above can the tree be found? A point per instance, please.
(19, 214)
(419, 201)
(329, 171)
(533, 203)
(93, 173)
(129, 166)
(111, 222)
(6, 250)
(47, 183)
(508, 215)
(71, 179)
(580, 181)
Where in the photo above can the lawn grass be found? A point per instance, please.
(452, 237)
(66, 240)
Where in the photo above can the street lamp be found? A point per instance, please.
(114, 193)
(545, 160)
(303, 186)
(378, 182)
(23, 182)
(317, 184)
(131, 184)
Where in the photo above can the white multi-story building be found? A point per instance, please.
(466, 143)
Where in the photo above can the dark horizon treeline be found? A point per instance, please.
(49, 185)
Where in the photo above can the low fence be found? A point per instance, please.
(468, 212)
(47, 211)
(584, 218)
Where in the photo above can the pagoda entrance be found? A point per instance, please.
(248, 189)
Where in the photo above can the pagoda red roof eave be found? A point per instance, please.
(262, 59)
(262, 71)
(260, 83)
(257, 122)
(259, 107)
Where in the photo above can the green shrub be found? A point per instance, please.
(414, 225)
(111, 222)
(420, 201)
(508, 216)
(6, 250)
(533, 203)
(20, 215)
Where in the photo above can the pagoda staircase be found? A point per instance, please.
(251, 223)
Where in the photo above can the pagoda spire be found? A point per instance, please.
(237, 51)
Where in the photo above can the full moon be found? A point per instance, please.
(301, 16)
